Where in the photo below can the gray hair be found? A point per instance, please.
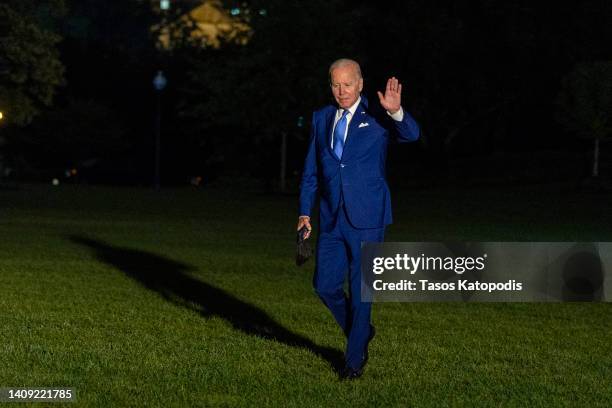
(344, 62)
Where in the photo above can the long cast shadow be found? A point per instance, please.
(171, 279)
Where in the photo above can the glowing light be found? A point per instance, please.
(235, 11)
(160, 81)
(164, 4)
(1, 115)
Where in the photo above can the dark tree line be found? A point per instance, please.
(483, 78)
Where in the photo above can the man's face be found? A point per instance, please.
(346, 85)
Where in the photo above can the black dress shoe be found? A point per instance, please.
(351, 373)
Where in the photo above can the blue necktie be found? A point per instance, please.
(339, 134)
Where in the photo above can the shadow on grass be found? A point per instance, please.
(172, 280)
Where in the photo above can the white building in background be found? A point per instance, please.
(206, 21)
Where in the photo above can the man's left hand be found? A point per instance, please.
(392, 99)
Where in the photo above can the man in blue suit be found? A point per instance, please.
(346, 164)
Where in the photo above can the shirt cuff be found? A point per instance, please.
(398, 116)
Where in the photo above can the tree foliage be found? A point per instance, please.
(585, 101)
(269, 86)
(585, 104)
(30, 68)
(282, 69)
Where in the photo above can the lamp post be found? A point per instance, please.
(159, 83)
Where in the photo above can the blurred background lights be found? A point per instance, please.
(164, 4)
(70, 172)
(160, 81)
(196, 181)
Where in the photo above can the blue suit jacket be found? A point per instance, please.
(360, 175)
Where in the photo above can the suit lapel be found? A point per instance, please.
(330, 129)
(359, 117)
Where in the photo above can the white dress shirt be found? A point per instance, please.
(398, 116)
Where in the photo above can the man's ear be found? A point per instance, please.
(360, 84)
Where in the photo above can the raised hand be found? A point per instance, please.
(392, 99)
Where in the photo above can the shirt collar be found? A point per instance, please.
(351, 110)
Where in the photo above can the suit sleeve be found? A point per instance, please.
(309, 183)
(406, 130)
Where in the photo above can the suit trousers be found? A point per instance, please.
(339, 257)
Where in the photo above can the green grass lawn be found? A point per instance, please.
(191, 298)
